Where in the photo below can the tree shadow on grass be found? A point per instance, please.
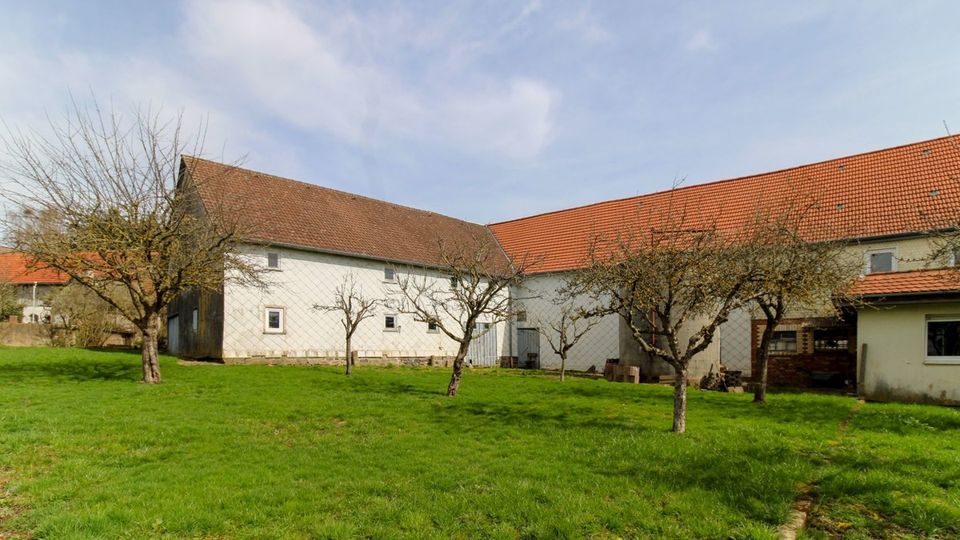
(72, 369)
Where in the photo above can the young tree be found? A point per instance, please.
(791, 274)
(677, 282)
(98, 200)
(353, 307)
(9, 304)
(565, 331)
(477, 291)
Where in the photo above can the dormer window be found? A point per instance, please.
(881, 260)
(273, 260)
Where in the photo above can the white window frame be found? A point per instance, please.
(869, 252)
(195, 319)
(938, 360)
(396, 322)
(279, 260)
(796, 342)
(393, 275)
(266, 320)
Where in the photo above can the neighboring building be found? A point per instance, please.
(882, 204)
(32, 285)
(310, 238)
(909, 335)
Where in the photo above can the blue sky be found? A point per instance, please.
(489, 111)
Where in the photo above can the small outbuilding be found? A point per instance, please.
(908, 328)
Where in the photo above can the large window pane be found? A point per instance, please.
(943, 338)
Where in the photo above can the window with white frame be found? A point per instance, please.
(390, 323)
(273, 260)
(195, 319)
(274, 320)
(454, 283)
(943, 340)
(389, 274)
(784, 342)
(880, 260)
(432, 327)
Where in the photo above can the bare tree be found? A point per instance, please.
(792, 273)
(675, 282)
(98, 199)
(477, 291)
(353, 307)
(565, 331)
(81, 317)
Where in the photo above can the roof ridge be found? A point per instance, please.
(734, 179)
(335, 190)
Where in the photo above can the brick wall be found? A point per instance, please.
(807, 367)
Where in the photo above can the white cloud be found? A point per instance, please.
(585, 26)
(702, 40)
(331, 79)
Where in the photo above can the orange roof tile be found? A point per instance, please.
(907, 283)
(18, 269)
(906, 189)
(289, 212)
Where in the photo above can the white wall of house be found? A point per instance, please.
(307, 278)
(538, 295)
(896, 366)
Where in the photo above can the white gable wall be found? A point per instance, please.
(306, 278)
(537, 296)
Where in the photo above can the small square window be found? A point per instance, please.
(880, 261)
(432, 327)
(521, 316)
(273, 261)
(273, 320)
(389, 274)
(454, 283)
(390, 323)
(195, 320)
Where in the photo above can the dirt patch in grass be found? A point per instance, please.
(9, 509)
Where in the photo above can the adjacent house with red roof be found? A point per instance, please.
(883, 204)
(33, 284)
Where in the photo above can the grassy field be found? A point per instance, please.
(304, 452)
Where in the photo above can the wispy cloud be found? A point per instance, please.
(586, 26)
(701, 40)
(302, 75)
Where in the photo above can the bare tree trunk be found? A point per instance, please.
(680, 400)
(563, 367)
(349, 358)
(149, 354)
(763, 361)
(458, 369)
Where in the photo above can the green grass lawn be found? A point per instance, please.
(304, 452)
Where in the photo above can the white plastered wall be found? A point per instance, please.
(896, 366)
(537, 296)
(307, 278)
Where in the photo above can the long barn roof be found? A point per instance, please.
(895, 191)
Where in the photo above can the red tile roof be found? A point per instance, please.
(913, 282)
(906, 189)
(18, 269)
(288, 212)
